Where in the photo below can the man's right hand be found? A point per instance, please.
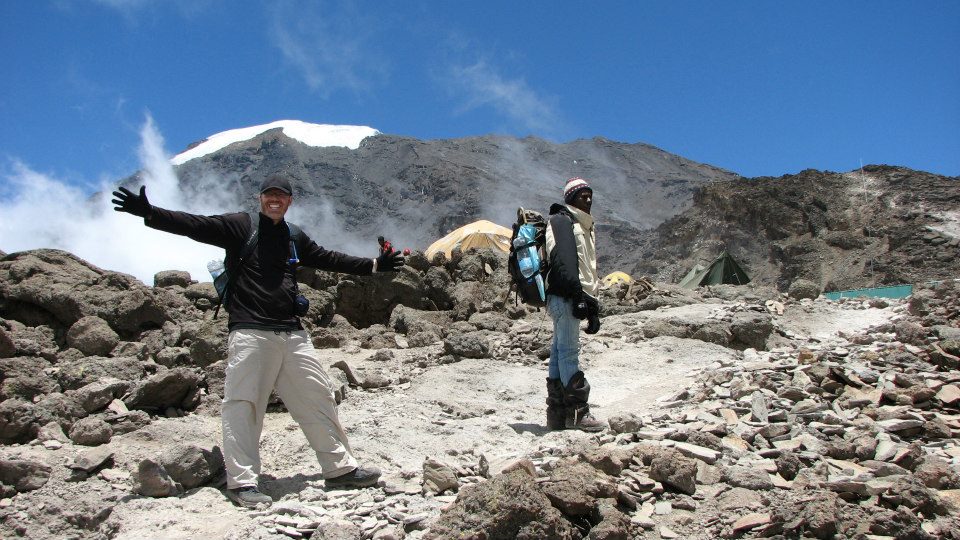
(126, 201)
(390, 262)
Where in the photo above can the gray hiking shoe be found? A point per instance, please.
(360, 477)
(248, 497)
(582, 420)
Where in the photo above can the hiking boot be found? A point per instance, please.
(360, 477)
(248, 496)
(556, 412)
(575, 396)
(584, 421)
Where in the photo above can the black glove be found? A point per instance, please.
(390, 262)
(593, 314)
(593, 324)
(593, 305)
(137, 205)
(580, 308)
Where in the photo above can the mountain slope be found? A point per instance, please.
(415, 191)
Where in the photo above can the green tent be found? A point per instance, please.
(722, 270)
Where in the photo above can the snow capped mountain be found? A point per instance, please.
(310, 134)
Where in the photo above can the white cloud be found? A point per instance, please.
(481, 85)
(330, 47)
(40, 211)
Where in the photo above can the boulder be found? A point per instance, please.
(19, 421)
(152, 480)
(170, 388)
(92, 336)
(192, 466)
(24, 377)
(575, 487)
(24, 474)
(751, 330)
(672, 469)
(76, 375)
(172, 278)
(507, 506)
(97, 395)
(472, 345)
(91, 431)
(803, 288)
(49, 286)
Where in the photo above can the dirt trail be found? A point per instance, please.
(488, 406)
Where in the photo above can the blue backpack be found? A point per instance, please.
(527, 262)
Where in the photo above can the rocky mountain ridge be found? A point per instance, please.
(658, 214)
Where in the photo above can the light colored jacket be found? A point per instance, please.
(585, 237)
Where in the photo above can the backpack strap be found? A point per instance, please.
(248, 246)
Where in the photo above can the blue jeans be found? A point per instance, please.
(565, 349)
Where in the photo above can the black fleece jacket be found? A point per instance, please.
(563, 278)
(264, 286)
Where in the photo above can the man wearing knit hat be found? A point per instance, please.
(267, 346)
(572, 286)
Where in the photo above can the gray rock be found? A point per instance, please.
(747, 477)
(92, 336)
(91, 460)
(192, 466)
(23, 377)
(472, 345)
(91, 431)
(803, 288)
(507, 506)
(174, 357)
(673, 469)
(95, 368)
(438, 477)
(751, 330)
(625, 422)
(19, 421)
(337, 529)
(171, 278)
(128, 422)
(97, 395)
(7, 347)
(165, 389)
(152, 480)
(575, 487)
(52, 432)
(23, 474)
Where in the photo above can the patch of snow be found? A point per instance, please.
(308, 134)
(950, 223)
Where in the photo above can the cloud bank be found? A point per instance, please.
(40, 211)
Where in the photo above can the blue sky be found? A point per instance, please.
(757, 87)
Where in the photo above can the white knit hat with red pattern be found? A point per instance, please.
(573, 186)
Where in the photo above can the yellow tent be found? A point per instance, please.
(479, 234)
(616, 277)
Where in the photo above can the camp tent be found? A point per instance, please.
(479, 234)
(616, 277)
(722, 270)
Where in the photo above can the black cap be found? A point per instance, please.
(278, 182)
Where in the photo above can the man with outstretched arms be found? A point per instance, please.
(267, 346)
(572, 287)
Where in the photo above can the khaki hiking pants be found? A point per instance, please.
(257, 362)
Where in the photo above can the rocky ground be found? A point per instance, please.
(734, 412)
